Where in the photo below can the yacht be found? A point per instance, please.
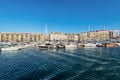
(88, 45)
(70, 45)
(110, 44)
(10, 48)
(60, 46)
(7, 47)
(45, 46)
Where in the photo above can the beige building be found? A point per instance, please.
(76, 37)
(21, 37)
(83, 36)
(92, 35)
(42, 37)
(72, 37)
(26, 37)
(112, 34)
(5, 37)
(102, 34)
(99, 35)
(18, 37)
(57, 36)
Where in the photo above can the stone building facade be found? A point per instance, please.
(20, 37)
(53, 36)
(72, 37)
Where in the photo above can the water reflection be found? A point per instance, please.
(71, 50)
(71, 64)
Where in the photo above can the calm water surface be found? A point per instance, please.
(70, 64)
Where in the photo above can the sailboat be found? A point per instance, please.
(46, 45)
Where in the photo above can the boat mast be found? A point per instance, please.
(88, 27)
(46, 31)
(104, 34)
(88, 31)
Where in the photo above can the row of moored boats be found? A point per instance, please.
(75, 45)
(14, 46)
(48, 45)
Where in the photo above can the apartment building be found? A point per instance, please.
(72, 37)
(83, 36)
(57, 36)
(112, 34)
(20, 37)
(102, 34)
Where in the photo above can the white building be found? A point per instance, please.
(83, 36)
(57, 36)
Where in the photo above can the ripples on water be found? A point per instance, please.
(70, 64)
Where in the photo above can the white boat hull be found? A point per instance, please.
(88, 45)
(10, 49)
(70, 46)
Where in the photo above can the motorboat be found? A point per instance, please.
(87, 45)
(100, 45)
(45, 46)
(110, 44)
(10, 48)
(70, 45)
(60, 46)
(6, 47)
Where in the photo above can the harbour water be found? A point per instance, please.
(71, 64)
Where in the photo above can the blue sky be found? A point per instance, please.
(68, 16)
